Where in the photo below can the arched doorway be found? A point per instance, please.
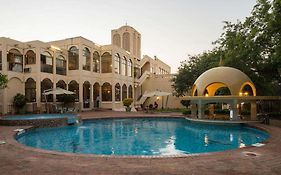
(86, 94)
(30, 90)
(45, 85)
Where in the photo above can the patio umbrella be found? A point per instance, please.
(156, 93)
(56, 91)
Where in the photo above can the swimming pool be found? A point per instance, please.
(142, 136)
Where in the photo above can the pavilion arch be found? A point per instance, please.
(106, 90)
(86, 94)
(212, 88)
(106, 63)
(74, 87)
(117, 92)
(30, 57)
(194, 90)
(96, 62)
(30, 90)
(242, 90)
(124, 91)
(45, 85)
(73, 58)
(117, 40)
(15, 60)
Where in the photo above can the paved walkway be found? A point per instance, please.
(18, 159)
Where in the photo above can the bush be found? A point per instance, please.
(127, 102)
(19, 100)
(185, 103)
(186, 112)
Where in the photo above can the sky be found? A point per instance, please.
(170, 29)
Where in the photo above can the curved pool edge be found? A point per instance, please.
(250, 124)
(40, 122)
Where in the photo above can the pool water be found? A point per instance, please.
(142, 136)
(71, 118)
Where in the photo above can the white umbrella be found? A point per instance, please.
(156, 93)
(159, 94)
(57, 91)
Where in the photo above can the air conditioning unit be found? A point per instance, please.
(27, 70)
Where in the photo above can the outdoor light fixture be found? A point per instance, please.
(206, 95)
(240, 93)
(157, 98)
(246, 93)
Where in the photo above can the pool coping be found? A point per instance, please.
(18, 159)
(135, 156)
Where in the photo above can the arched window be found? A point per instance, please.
(73, 58)
(60, 65)
(74, 87)
(124, 91)
(106, 92)
(45, 85)
(30, 57)
(96, 62)
(117, 40)
(117, 63)
(96, 94)
(117, 92)
(15, 60)
(126, 41)
(86, 57)
(130, 91)
(106, 63)
(46, 62)
(129, 68)
(60, 84)
(86, 94)
(30, 90)
(123, 66)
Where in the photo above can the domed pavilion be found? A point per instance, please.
(223, 85)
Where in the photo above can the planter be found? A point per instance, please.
(128, 109)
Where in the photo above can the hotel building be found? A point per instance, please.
(108, 73)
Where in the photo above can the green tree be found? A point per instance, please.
(252, 46)
(3, 81)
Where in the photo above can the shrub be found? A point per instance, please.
(19, 100)
(185, 103)
(186, 112)
(127, 102)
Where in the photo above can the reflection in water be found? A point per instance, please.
(206, 140)
(150, 136)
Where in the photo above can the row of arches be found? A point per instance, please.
(105, 90)
(217, 89)
(122, 65)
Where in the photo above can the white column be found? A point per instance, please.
(91, 97)
(253, 110)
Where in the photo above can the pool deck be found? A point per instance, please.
(18, 159)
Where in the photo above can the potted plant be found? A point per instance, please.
(19, 102)
(127, 103)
